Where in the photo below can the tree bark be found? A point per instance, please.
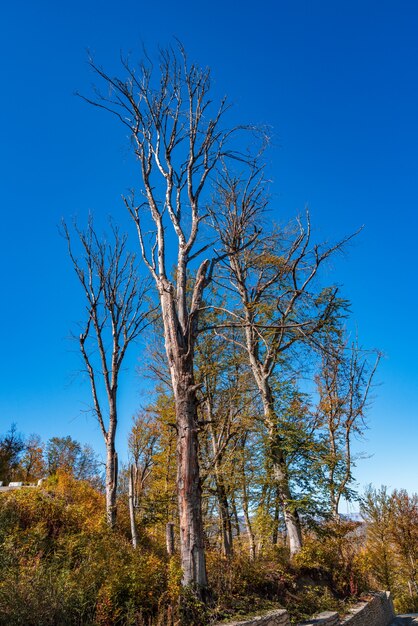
(189, 490)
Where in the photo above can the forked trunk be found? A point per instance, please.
(277, 456)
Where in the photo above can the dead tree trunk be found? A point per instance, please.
(188, 484)
(131, 496)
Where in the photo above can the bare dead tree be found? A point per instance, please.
(115, 315)
(131, 498)
(343, 383)
(179, 142)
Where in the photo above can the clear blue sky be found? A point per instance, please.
(338, 83)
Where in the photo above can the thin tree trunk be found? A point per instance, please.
(134, 532)
(169, 538)
(111, 481)
(221, 495)
(281, 480)
(247, 520)
(248, 527)
(276, 517)
(225, 518)
(290, 513)
(278, 459)
(235, 516)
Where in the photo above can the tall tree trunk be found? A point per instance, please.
(221, 494)
(189, 491)
(261, 372)
(246, 511)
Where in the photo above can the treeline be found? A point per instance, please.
(28, 459)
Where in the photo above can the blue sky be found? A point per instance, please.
(336, 81)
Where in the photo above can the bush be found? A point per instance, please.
(332, 559)
(61, 565)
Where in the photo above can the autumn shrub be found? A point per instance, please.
(330, 558)
(240, 585)
(60, 564)
(301, 605)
